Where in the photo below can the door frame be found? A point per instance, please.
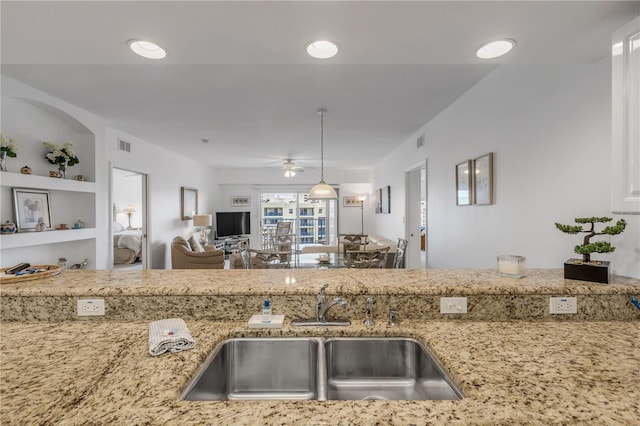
(144, 257)
(413, 198)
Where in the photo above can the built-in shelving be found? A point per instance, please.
(45, 182)
(26, 239)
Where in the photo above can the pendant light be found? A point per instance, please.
(322, 191)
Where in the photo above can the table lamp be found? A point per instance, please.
(129, 210)
(203, 221)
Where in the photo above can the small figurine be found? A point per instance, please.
(26, 170)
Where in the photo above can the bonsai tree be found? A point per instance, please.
(588, 247)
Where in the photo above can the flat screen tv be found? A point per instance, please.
(229, 224)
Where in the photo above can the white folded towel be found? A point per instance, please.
(169, 335)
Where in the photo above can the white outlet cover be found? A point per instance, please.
(90, 307)
(563, 305)
(453, 305)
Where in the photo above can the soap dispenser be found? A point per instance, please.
(266, 311)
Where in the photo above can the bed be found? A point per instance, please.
(127, 244)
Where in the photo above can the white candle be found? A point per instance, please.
(510, 265)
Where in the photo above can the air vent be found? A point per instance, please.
(420, 142)
(124, 145)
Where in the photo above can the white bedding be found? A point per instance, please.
(129, 239)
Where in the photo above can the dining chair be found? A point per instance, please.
(283, 241)
(398, 263)
(353, 242)
(367, 258)
(261, 259)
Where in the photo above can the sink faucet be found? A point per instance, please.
(369, 321)
(322, 308)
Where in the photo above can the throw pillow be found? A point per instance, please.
(195, 245)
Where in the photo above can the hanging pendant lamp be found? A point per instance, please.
(322, 191)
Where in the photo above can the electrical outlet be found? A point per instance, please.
(563, 305)
(90, 307)
(453, 305)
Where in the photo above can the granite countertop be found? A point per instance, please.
(305, 281)
(514, 372)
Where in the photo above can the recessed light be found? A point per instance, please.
(322, 49)
(147, 49)
(495, 49)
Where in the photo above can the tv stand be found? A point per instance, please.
(230, 244)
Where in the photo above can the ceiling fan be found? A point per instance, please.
(290, 169)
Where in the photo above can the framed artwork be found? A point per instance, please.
(188, 202)
(483, 179)
(386, 199)
(31, 205)
(378, 200)
(240, 201)
(352, 202)
(463, 183)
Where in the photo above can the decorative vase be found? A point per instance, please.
(3, 161)
(40, 226)
(8, 228)
(63, 170)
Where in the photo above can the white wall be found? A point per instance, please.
(549, 127)
(167, 172)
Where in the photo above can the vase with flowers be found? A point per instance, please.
(8, 148)
(62, 155)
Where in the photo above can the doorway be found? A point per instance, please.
(128, 219)
(416, 195)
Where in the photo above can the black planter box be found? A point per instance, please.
(576, 269)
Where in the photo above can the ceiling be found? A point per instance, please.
(238, 75)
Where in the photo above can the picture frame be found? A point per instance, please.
(29, 206)
(188, 202)
(464, 188)
(240, 201)
(377, 194)
(352, 202)
(483, 180)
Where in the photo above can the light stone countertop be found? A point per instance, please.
(517, 372)
(306, 281)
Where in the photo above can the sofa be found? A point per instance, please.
(191, 255)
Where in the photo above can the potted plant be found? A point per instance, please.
(586, 269)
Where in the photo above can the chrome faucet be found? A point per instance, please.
(369, 321)
(322, 308)
(321, 312)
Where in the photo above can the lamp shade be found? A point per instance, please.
(322, 191)
(202, 220)
(129, 209)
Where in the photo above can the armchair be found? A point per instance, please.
(184, 257)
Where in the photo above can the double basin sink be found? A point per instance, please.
(336, 368)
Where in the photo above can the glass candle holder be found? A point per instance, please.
(511, 266)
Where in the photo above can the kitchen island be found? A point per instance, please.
(537, 370)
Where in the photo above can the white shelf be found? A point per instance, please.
(45, 182)
(26, 239)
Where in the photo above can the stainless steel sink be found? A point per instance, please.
(258, 368)
(384, 368)
(340, 368)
